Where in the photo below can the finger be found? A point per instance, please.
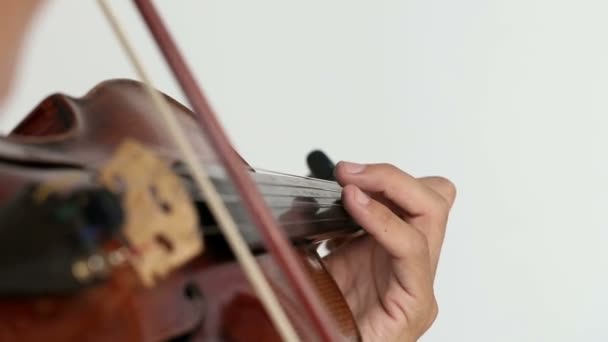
(442, 186)
(397, 186)
(436, 231)
(406, 244)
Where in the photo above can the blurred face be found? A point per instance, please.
(15, 17)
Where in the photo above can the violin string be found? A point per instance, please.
(288, 175)
(301, 187)
(336, 193)
(279, 178)
(303, 219)
(214, 201)
(233, 198)
(275, 184)
(291, 223)
(230, 197)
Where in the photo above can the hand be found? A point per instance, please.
(387, 275)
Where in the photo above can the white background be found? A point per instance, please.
(505, 97)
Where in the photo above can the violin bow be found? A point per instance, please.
(272, 235)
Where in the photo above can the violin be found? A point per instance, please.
(127, 216)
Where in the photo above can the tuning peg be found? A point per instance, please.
(320, 165)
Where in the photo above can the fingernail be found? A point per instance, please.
(352, 167)
(361, 197)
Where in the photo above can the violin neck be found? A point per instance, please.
(309, 209)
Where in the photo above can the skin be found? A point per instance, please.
(387, 275)
(16, 15)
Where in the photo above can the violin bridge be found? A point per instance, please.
(161, 223)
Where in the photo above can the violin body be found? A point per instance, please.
(206, 299)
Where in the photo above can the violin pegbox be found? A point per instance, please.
(161, 223)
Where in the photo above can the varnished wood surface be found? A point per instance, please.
(208, 298)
